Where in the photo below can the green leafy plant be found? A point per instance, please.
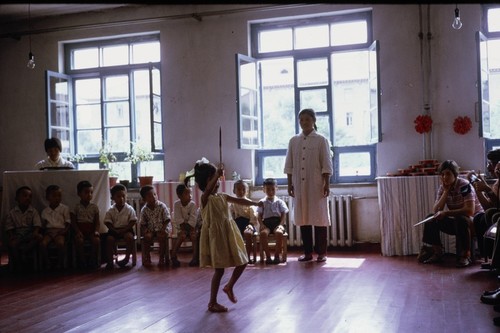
(107, 157)
(138, 154)
(76, 158)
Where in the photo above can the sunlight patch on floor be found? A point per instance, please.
(343, 263)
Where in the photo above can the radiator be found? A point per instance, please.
(340, 229)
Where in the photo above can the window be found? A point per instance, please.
(109, 98)
(328, 63)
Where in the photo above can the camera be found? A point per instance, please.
(473, 178)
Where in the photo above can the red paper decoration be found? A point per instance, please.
(423, 123)
(462, 125)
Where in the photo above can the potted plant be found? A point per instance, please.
(137, 155)
(107, 158)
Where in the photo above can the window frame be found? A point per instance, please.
(101, 73)
(299, 54)
(483, 78)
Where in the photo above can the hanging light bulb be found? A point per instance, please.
(457, 23)
(31, 57)
(31, 61)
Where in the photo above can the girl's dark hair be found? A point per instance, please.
(201, 174)
(449, 165)
(311, 113)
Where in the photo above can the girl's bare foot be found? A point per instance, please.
(216, 307)
(230, 294)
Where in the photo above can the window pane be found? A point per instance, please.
(88, 91)
(118, 138)
(158, 136)
(115, 55)
(59, 89)
(323, 124)
(142, 108)
(152, 168)
(275, 40)
(88, 166)
(273, 166)
(116, 114)
(85, 58)
(88, 116)
(116, 88)
(122, 169)
(59, 115)
(355, 32)
(145, 52)
(89, 142)
(354, 164)
(494, 20)
(351, 98)
(314, 99)
(312, 72)
(311, 37)
(277, 102)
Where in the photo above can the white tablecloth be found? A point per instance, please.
(404, 201)
(66, 179)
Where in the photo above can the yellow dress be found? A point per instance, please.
(221, 244)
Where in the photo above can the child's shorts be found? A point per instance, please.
(272, 223)
(242, 223)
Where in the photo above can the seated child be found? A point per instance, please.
(245, 218)
(272, 219)
(56, 221)
(86, 224)
(185, 222)
(120, 220)
(155, 222)
(22, 225)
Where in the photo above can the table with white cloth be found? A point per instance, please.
(404, 201)
(66, 179)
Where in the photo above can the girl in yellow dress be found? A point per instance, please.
(221, 244)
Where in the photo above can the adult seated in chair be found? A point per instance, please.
(120, 220)
(53, 160)
(488, 196)
(456, 204)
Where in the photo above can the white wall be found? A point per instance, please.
(199, 94)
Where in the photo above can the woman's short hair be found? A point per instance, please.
(449, 165)
(52, 143)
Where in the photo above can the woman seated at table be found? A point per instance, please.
(455, 206)
(53, 149)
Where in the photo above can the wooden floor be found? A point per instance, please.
(354, 291)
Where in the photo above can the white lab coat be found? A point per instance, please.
(308, 158)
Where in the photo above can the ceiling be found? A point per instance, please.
(19, 12)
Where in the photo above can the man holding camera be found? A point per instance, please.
(488, 197)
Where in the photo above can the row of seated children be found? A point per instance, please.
(268, 219)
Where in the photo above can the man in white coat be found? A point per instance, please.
(308, 166)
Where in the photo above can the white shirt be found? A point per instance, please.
(48, 163)
(56, 218)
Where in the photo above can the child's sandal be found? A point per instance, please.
(216, 307)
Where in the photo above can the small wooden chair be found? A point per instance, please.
(271, 241)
